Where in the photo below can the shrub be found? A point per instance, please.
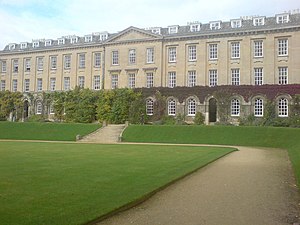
(199, 118)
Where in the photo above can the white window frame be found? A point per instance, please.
(173, 29)
(97, 82)
(81, 81)
(283, 47)
(156, 30)
(283, 75)
(195, 27)
(23, 45)
(52, 84)
(73, 40)
(215, 25)
(35, 44)
(235, 50)
(114, 81)
(97, 59)
(88, 38)
(235, 107)
(81, 60)
(39, 107)
(171, 107)
(67, 83)
(191, 78)
(14, 85)
(12, 47)
(132, 56)
(213, 77)
(3, 85)
(27, 64)
(172, 79)
(213, 51)
(48, 43)
(53, 62)
(258, 76)
(115, 57)
(150, 55)
(259, 21)
(15, 65)
(67, 62)
(3, 66)
(149, 79)
(192, 50)
(235, 76)
(149, 107)
(26, 85)
(131, 80)
(39, 85)
(172, 53)
(40, 63)
(283, 107)
(236, 23)
(282, 18)
(258, 107)
(61, 41)
(191, 107)
(258, 48)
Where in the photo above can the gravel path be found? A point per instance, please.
(248, 187)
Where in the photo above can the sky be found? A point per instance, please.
(26, 20)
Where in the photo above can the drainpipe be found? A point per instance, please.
(103, 69)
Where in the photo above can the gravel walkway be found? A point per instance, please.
(248, 187)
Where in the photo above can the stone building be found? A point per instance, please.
(251, 51)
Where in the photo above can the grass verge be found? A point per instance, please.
(45, 131)
(274, 137)
(64, 183)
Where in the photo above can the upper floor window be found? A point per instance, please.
(213, 51)
(282, 47)
(3, 66)
(81, 60)
(213, 78)
(282, 18)
(23, 45)
(235, 50)
(131, 80)
(27, 65)
(81, 80)
(40, 63)
(235, 107)
(173, 29)
(67, 83)
(73, 40)
(39, 84)
(52, 83)
(48, 42)
(192, 78)
(26, 85)
(258, 48)
(156, 30)
(2, 87)
(236, 23)
(195, 27)
(172, 79)
(215, 25)
(15, 65)
(132, 56)
(114, 81)
(258, 76)
(88, 38)
(283, 107)
(97, 59)
(103, 36)
(15, 85)
(192, 53)
(283, 75)
(150, 80)
(115, 57)
(53, 62)
(97, 82)
(12, 46)
(235, 76)
(150, 55)
(35, 44)
(67, 62)
(259, 21)
(60, 41)
(172, 54)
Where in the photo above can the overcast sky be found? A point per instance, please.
(24, 20)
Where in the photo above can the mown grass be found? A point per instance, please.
(274, 137)
(64, 183)
(45, 131)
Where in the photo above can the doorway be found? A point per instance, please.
(212, 109)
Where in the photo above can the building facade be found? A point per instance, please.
(251, 51)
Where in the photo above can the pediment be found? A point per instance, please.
(133, 34)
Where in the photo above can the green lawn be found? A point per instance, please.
(44, 131)
(66, 184)
(274, 137)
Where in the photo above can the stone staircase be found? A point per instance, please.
(107, 134)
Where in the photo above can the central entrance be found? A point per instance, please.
(212, 109)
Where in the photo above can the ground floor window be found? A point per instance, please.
(149, 107)
(39, 107)
(191, 107)
(283, 107)
(235, 107)
(258, 107)
(171, 107)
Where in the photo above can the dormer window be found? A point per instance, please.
(156, 30)
(48, 42)
(236, 23)
(195, 27)
(23, 45)
(35, 44)
(173, 29)
(88, 38)
(12, 46)
(282, 18)
(215, 25)
(103, 36)
(60, 41)
(259, 21)
(73, 40)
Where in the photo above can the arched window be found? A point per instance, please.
(149, 107)
(39, 107)
(191, 107)
(258, 107)
(171, 107)
(235, 107)
(283, 107)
